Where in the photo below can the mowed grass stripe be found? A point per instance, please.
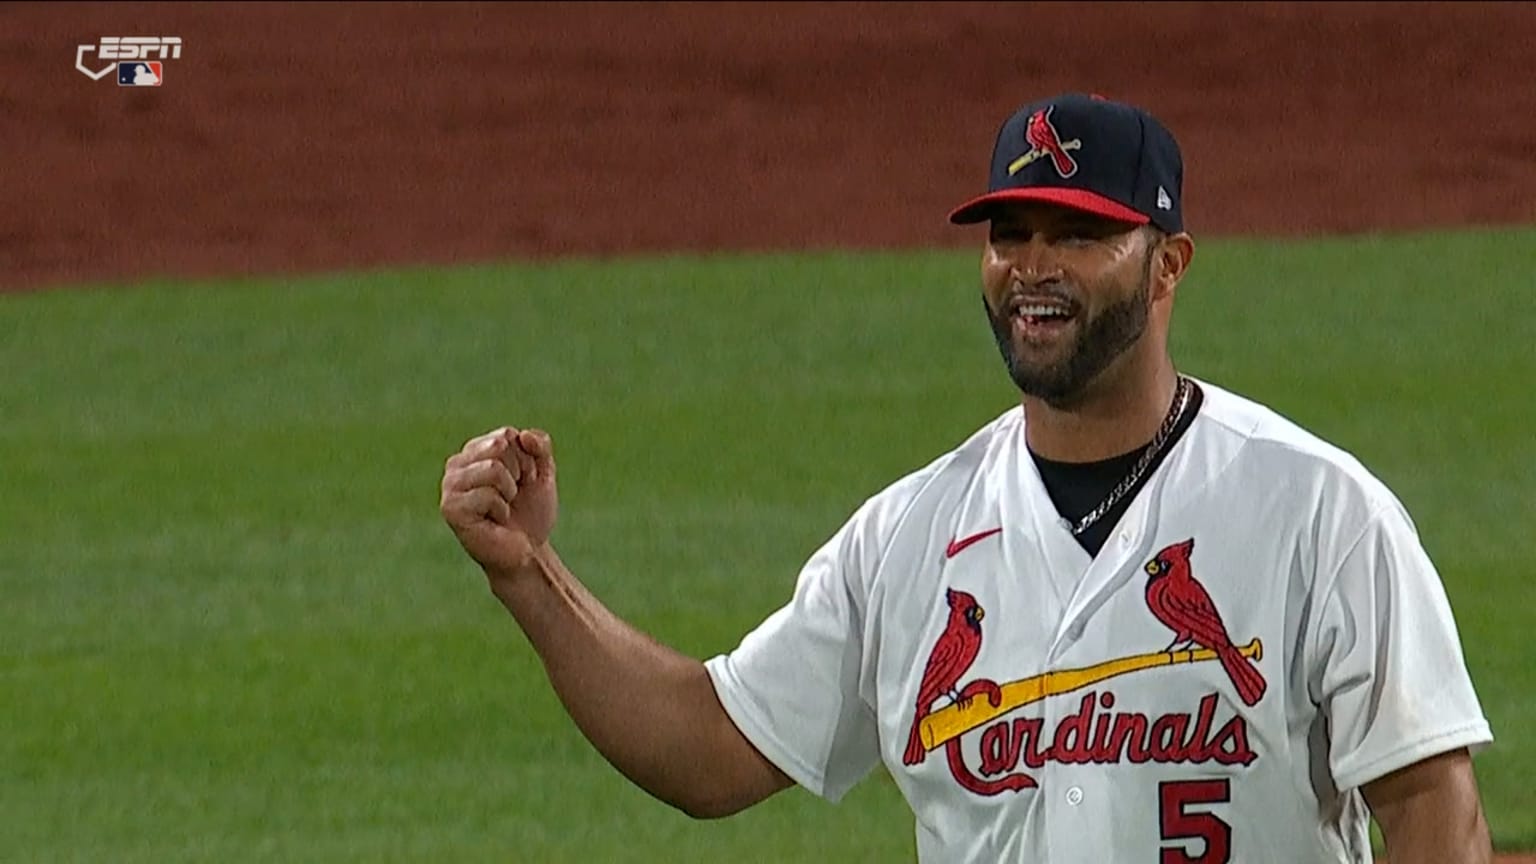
(235, 628)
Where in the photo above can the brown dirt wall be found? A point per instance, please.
(295, 137)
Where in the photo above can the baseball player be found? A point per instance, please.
(1136, 617)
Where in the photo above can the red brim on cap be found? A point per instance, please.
(975, 210)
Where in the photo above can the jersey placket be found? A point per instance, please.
(1077, 824)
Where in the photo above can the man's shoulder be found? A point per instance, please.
(945, 476)
(1263, 440)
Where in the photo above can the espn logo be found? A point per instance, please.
(140, 71)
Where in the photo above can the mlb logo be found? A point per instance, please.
(140, 73)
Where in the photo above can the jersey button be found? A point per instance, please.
(1074, 796)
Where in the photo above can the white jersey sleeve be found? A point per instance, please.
(1389, 671)
(793, 684)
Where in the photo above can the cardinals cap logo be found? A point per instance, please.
(1044, 141)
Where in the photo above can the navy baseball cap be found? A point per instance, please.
(1089, 153)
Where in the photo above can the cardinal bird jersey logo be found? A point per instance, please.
(1180, 602)
(1215, 684)
(952, 655)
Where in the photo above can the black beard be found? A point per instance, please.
(1102, 339)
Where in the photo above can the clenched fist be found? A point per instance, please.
(499, 499)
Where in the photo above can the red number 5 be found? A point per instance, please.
(1179, 824)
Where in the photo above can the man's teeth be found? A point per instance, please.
(1043, 311)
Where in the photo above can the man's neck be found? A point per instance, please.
(1118, 414)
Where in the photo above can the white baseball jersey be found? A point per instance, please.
(1261, 634)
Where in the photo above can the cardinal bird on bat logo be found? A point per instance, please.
(1045, 142)
(1182, 604)
(992, 746)
(1041, 134)
(953, 653)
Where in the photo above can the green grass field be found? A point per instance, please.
(235, 628)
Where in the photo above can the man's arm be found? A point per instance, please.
(1430, 812)
(651, 711)
(1391, 677)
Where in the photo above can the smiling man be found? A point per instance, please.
(1136, 617)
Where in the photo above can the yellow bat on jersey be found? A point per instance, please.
(957, 719)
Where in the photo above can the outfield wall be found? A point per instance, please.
(290, 137)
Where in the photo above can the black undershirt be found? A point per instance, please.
(1078, 487)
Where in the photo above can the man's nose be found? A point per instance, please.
(1032, 262)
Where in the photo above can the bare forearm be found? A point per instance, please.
(650, 710)
(1431, 813)
(1431, 839)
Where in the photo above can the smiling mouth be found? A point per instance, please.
(1034, 313)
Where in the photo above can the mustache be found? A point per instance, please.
(1057, 291)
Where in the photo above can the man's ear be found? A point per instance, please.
(1171, 256)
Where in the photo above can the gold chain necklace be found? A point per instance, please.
(1175, 411)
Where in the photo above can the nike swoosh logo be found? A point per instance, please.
(959, 545)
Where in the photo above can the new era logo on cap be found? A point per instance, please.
(1089, 153)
